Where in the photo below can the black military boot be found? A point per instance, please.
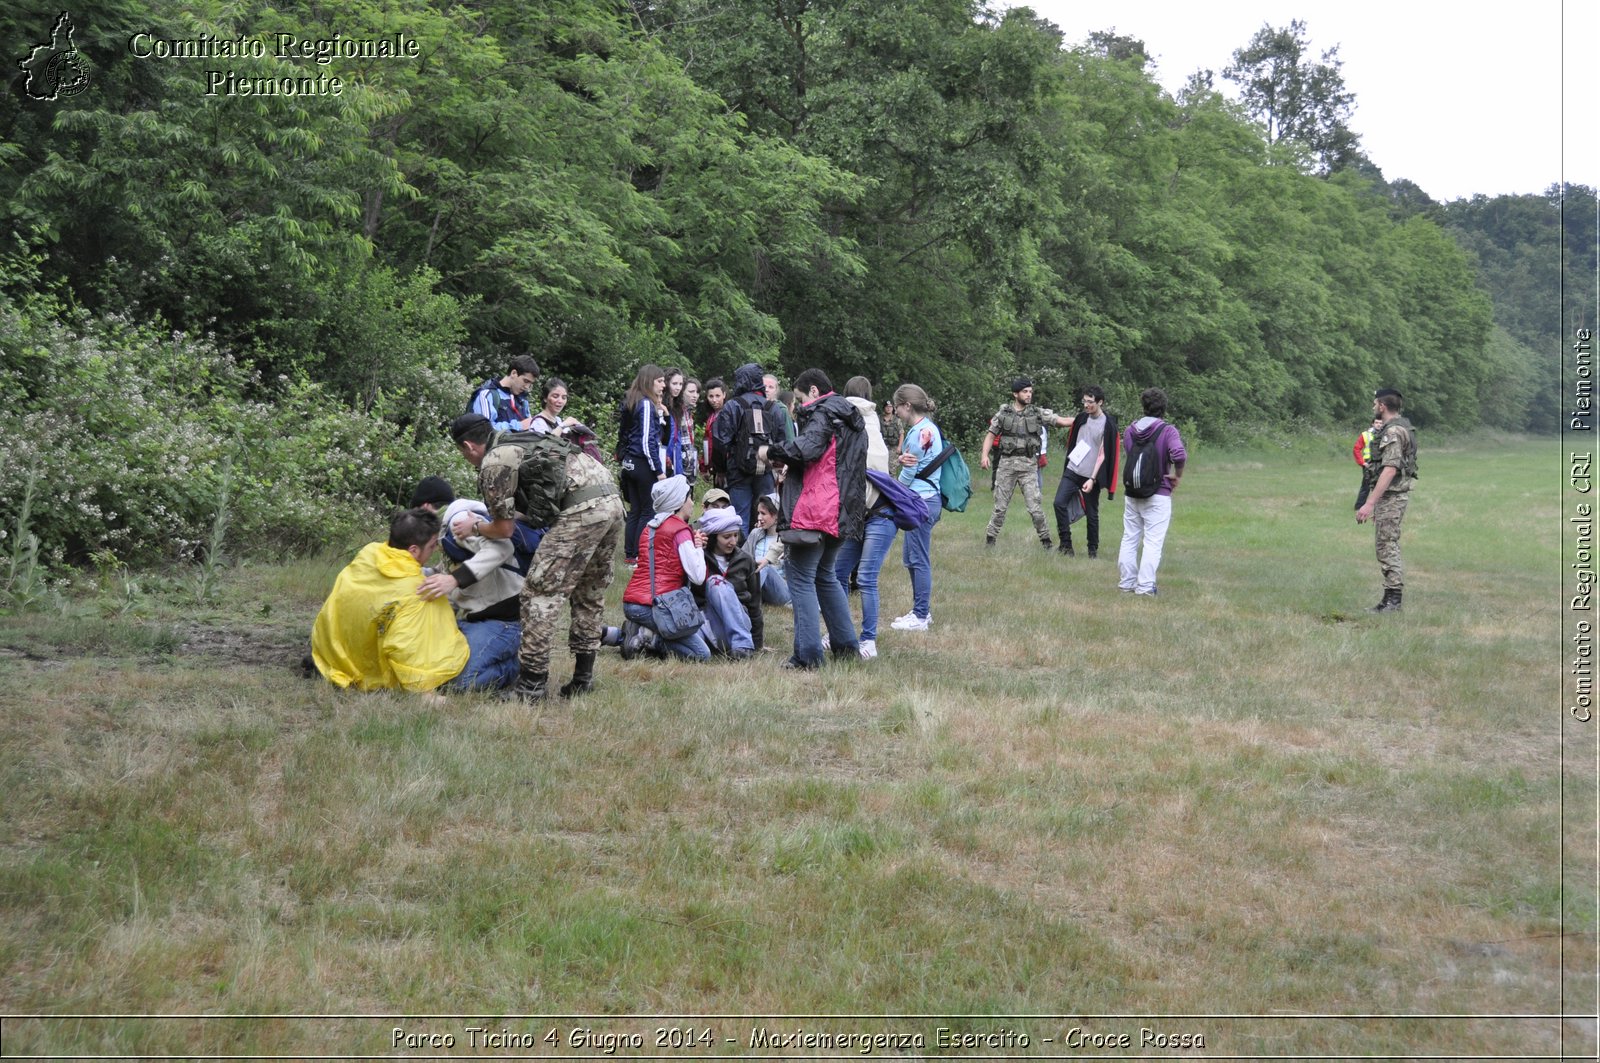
(531, 686)
(582, 676)
(1047, 543)
(1065, 548)
(1390, 603)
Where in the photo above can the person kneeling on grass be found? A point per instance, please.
(679, 560)
(730, 598)
(374, 632)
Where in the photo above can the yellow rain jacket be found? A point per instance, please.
(374, 633)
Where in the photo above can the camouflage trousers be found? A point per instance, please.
(1386, 518)
(574, 562)
(1012, 473)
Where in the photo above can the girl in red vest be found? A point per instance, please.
(678, 552)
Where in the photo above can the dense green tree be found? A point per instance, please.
(936, 106)
(927, 190)
(1301, 104)
(1527, 250)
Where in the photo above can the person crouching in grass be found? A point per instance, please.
(374, 632)
(679, 558)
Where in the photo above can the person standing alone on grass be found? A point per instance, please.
(1394, 449)
(1092, 448)
(1016, 427)
(1150, 447)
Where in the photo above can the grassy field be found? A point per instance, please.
(1246, 805)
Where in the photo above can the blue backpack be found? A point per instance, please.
(904, 506)
(955, 479)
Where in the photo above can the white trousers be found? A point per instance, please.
(1143, 520)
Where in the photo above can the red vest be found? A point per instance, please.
(669, 569)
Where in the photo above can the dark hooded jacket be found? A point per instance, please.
(824, 489)
(748, 387)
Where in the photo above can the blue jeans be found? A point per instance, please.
(917, 554)
(693, 645)
(744, 493)
(818, 598)
(492, 655)
(870, 552)
(774, 586)
(726, 627)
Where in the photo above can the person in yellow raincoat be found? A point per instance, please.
(374, 632)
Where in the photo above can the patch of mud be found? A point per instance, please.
(244, 645)
(33, 657)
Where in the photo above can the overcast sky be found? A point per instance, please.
(1458, 101)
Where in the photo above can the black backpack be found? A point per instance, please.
(752, 431)
(1141, 473)
(542, 476)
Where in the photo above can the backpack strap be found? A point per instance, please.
(926, 472)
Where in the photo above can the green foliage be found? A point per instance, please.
(136, 437)
(1525, 250)
(24, 582)
(932, 191)
(1299, 103)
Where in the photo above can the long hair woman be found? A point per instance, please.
(639, 449)
(672, 430)
(921, 443)
(554, 400)
(865, 556)
(691, 453)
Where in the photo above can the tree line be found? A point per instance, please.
(917, 190)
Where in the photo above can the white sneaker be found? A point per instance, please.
(825, 645)
(908, 618)
(911, 622)
(869, 649)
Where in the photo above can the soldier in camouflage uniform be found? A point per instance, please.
(1395, 452)
(573, 560)
(1017, 426)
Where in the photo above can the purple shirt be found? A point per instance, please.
(1169, 447)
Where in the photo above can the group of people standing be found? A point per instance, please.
(1095, 454)
(791, 493)
(794, 517)
(796, 483)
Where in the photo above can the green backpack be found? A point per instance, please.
(542, 476)
(955, 479)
